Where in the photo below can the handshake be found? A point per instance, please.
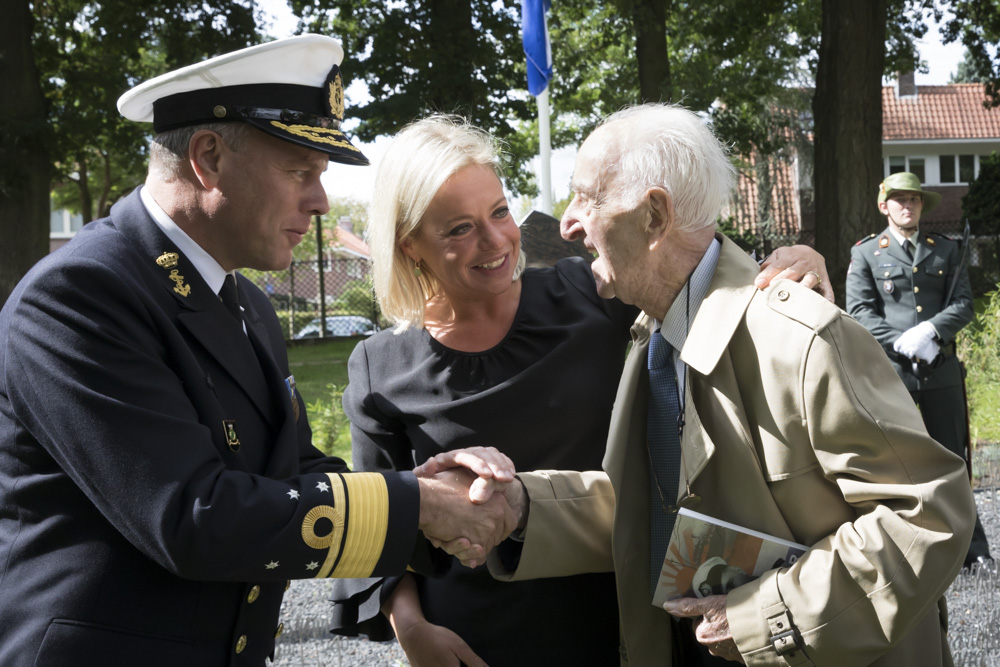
(470, 501)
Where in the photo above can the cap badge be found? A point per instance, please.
(337, 97)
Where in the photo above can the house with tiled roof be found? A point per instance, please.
(940, 133)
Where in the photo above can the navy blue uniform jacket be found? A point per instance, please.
(134, 529)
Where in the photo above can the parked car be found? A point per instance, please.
(337, 326)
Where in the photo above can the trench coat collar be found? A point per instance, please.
(722, 310)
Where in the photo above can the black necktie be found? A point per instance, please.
(908, 248)
(664, 446)
(230, 297)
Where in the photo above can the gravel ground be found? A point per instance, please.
(973, 604)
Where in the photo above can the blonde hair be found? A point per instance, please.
(418, 162)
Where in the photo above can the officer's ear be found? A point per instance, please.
(205, 157)
(883, 208)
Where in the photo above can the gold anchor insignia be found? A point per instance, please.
(232, 440)
(179, 285)
(167, 260)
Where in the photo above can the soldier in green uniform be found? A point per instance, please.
(898, 287)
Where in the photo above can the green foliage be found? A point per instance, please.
(979, 349)
(743, 238)
(89, 53)
(425, 56)
(966, 72)
(981, 204)
(331, 429)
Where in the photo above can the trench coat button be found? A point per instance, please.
(241, 643)
(280, 629)
(916, 289)
(254, 594)
(915, 269)
(782, 295)
(920, 309)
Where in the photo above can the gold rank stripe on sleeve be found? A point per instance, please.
(368, 504)
(359, 518)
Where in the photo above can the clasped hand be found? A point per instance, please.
(464, 505)
(918, 342)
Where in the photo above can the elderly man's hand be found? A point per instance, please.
(459, 509)
(713, 629)
(800, 263)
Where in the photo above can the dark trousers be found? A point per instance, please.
(943, 411)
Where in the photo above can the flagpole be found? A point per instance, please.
(544, 152)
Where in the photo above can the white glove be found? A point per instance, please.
(918, 342)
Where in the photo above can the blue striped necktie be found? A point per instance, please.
(664, 446)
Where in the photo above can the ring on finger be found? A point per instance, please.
(819, 281)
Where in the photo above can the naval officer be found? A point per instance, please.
(158, 485)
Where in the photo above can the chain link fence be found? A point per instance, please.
(983, 261)
(336, 290)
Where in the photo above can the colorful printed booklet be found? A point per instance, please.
(708, 556)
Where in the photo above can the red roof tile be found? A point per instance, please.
(954, 111)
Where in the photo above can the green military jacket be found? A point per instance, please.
(888, 293)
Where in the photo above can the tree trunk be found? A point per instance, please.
(451, 38)
(83, 187)
(847, 108)
(24, 157)
(650, 20)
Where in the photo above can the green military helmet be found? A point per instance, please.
(906, 181)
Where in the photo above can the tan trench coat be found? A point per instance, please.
(796, 426)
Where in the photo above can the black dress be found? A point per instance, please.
(543, 396)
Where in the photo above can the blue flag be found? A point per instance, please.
(536, 43)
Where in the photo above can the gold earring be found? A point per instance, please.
(416, 269)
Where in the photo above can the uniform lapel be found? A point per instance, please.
(198, 309)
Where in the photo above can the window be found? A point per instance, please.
(63, 224)
(947, 167)
(962, 166)
(917, 168)
(915, 165)
(966, 168)
(897, 163)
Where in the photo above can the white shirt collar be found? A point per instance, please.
(206, 266)
(915, 239)
(682, 312)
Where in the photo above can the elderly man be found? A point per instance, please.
(769, 409)
(158, 486)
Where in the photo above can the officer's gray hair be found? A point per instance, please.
(670, 147)
(169, 150)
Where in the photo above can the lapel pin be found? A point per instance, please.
(232, 440)
(290, 383)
